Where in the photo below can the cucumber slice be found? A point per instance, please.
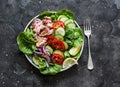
(63, 19)
(59, 37)
(49, 49)
(61, 16)
(35, 61)
(69, 21)
(60, 31)
(71, 25)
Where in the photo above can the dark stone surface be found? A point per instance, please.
(16, 71)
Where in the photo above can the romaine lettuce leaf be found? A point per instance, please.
(26, 42)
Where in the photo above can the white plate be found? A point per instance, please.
(30, 58)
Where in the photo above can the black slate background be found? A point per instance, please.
(16, 71)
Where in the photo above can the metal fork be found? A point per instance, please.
(87, 32)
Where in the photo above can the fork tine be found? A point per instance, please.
(89, 24)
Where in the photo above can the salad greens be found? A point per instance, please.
(47, 13)
(66, 54)
(44, 69)
(51, 70)
(67, 37)
(77, 56)
(65, 12)
(74, 37)
(26, 42)
(55, 15)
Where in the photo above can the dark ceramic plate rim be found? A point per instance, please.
(30, 59)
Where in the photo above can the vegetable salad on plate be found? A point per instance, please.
(52, 41)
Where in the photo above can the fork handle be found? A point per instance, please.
(90, 62)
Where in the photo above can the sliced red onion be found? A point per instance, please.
(47, 58)
(39, 53)
(42, 51)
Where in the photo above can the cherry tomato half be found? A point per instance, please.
(58, 45)
(57, 59)
(50, 39)
(58, 24)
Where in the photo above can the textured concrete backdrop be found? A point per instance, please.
(16, 71)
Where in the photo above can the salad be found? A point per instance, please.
(52, 40)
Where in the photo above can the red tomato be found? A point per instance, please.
(50, 39)
(58, 24)
(55, 44)
(57, 59)
(58, 45)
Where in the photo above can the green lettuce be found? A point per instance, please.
(54, 15)
(48, 13)
(66, 54)
(51, 70)
(74, 37)
(65, 12)
(26, 42)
